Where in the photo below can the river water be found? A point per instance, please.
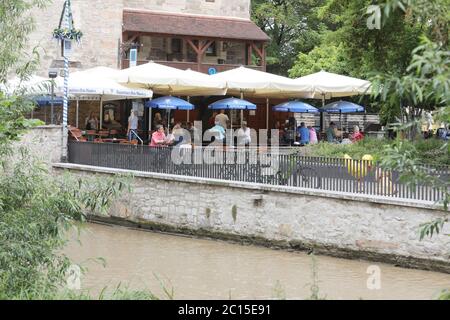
(209, 269)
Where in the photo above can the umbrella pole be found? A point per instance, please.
(188, 100)
(340, 119)
(322, 115)
(242, 111)
(267, 113)
(149, 120)
(78, 106)
(168, 122)
(101, 113)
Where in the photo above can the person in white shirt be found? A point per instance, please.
(244, 134)
(223, 119)
(133, 123)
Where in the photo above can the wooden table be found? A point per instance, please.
(114, 140)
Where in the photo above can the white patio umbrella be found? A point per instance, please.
(32, 85)
(254, 83)
(166, 80)
(325, 85)
(97, 84)
(198, 76)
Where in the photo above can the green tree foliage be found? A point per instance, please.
(368, 50)
(430, 152)
(36, 208)
(330, 58)
(425, 82)
(293, 25)
(12, 121)
(424, 85)
(16, 24)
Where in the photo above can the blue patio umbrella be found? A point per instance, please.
(342, 107)
(232, 104)
(296, 107)
(169, 103)
(43, 101)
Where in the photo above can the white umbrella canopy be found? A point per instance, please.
(256, 83)
(96, 83)
(326, 85)
(33, 85)
(219, 86)
(170, 81)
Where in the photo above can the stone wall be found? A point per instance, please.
(227, 8)
(101, 23)
(42, 142)
(99, 20)
(338, 224)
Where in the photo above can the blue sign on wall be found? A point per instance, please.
(133, 57)
(212, 71)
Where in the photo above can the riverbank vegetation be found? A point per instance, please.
(37, 207)
(431, 151)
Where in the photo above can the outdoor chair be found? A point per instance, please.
(91, 135)
(76, 134)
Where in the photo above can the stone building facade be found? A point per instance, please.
(101, 22)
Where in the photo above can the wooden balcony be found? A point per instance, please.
(204, 67)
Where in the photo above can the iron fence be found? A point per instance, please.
(261, 166)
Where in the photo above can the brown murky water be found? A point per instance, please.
(206, 269)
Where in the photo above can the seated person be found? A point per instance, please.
(303, 132)
(357, 135)
(219, 131)
(312, 136)
(158, 137)
(178, 134)
(92, 122)
(170, 139)
(333, 134)
(196, 136)
(244, 135)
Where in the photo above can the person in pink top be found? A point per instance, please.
(357, 135)
(312, 136)
(158, 137)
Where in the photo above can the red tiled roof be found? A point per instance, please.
(192, 25)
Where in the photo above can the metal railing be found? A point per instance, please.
(134, 133)
(259, 166)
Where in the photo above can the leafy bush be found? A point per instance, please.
(431, 151)
(36, 209)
